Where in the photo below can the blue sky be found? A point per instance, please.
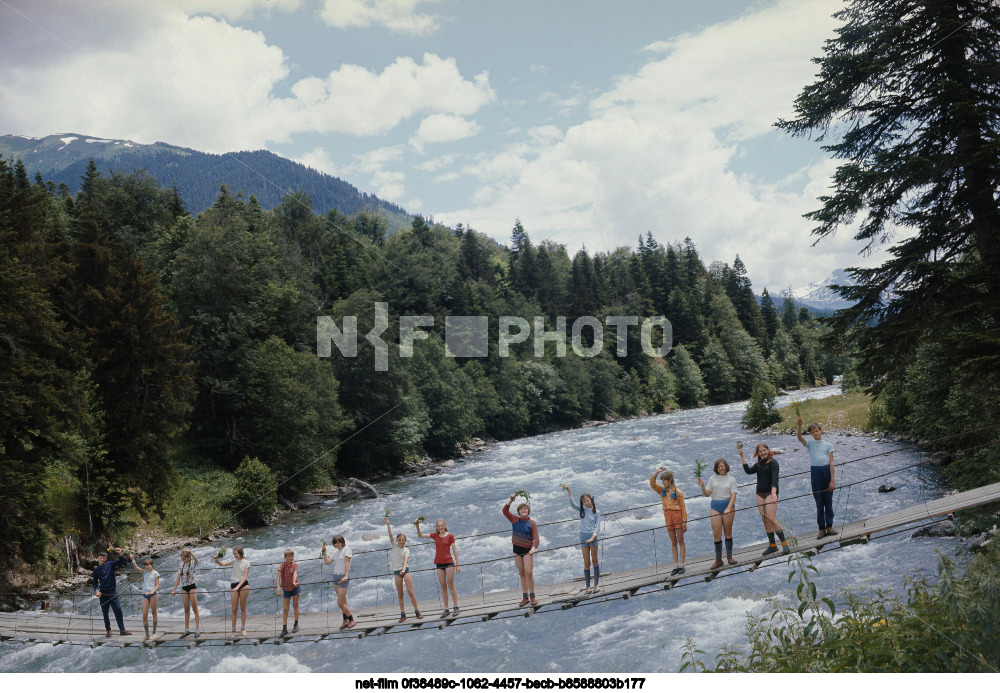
(592, 122)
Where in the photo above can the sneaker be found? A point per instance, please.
(534, 602)
(822, 533)
(243, 632)
(675, 571)
(284, 630)
(124, 632)
(402, 617)
(769, 550)
(718, 564)
(829, 532)
(418, 614)
(295, 627)
(454, 612)
(680, 571)
(446, 613)
(185, 634)
(109, 634)
(785, 549)
(524, 602)
(732, 561)
(197, 634)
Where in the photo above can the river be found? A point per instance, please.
(613, 462)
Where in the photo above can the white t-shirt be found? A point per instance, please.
(239, 565)
(722, 486)
(399, 555)
(186, 572)
(339, 564)
(149, 580)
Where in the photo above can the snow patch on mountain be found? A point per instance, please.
(819, 295)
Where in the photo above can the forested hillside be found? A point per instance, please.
(161, 366)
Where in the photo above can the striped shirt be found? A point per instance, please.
(524, 532)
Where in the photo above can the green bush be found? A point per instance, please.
(198, 503)
(950, 626)
(761, 410)
(254, 497)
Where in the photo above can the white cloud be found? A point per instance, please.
(441, 127)
(657, 154)
(320, 160)
(380, 168)
(400, 16)
(437, 163)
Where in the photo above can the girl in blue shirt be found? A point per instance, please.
(590, 528)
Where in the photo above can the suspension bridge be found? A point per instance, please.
(87, 629)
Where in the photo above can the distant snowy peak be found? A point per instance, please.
(820, 295)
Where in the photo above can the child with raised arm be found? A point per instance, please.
(400, 566)
(822, 475)
(444, 547)
(524, 536)
(185, 579)
(767, 471)
(590, 528)
(722, 488)
(341, 560)
(106, 589)
(288, 589)
(239, 586)
(150, 586)
(675, 515)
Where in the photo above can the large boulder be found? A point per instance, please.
(307, 500)
(352, 489)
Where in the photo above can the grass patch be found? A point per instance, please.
(196, 506)
(849, 410)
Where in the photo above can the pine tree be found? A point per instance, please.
(911, 92)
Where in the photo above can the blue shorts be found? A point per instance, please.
(584, 537)
(719, 506)
(288, 594)
(337, 577)
(401, 573)
(149, 596)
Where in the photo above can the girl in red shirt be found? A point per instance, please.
(444, 543)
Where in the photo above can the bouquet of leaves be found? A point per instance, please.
(699, 466)
(797, 412)
(523, 492)
(739, 444)
(564, 486)
(386, 512)
(222, 552)
(323, 553)
(422, 518)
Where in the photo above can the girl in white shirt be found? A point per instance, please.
(722, 488)
(400, 566)
(150, 585)
(341, 560)
(239, 586)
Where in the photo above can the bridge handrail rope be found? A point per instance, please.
(921, 444)
(221, 642)
(380, 576)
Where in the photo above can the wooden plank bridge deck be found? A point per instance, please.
(76, 629)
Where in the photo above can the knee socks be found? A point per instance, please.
(718, 550)
(597, 574)
(586, 577)
(729, 547)
(770, 538)
(781, 536)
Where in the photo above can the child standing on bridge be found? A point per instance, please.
(821, 469)
(444, 547)
(722, 488)
(185, 579)
(239, 586)
(400, 566)
(675, 514)
(341, 560)
(766, 469)
(590, 527)
(524, 535)
(288, 589)
(150, 586)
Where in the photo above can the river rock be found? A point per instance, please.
(779, 451)
(886, 488)
(944, 528)
(941, 459)
(352, 489)
(429, 472)
(307, 500)
(448, 463)
(289, 505)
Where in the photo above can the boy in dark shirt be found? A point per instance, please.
(106, 589)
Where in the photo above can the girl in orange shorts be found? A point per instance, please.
(674, 514)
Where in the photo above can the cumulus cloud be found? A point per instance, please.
(400, 16)
(658, 151)
(441, 127)
(199, 81)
